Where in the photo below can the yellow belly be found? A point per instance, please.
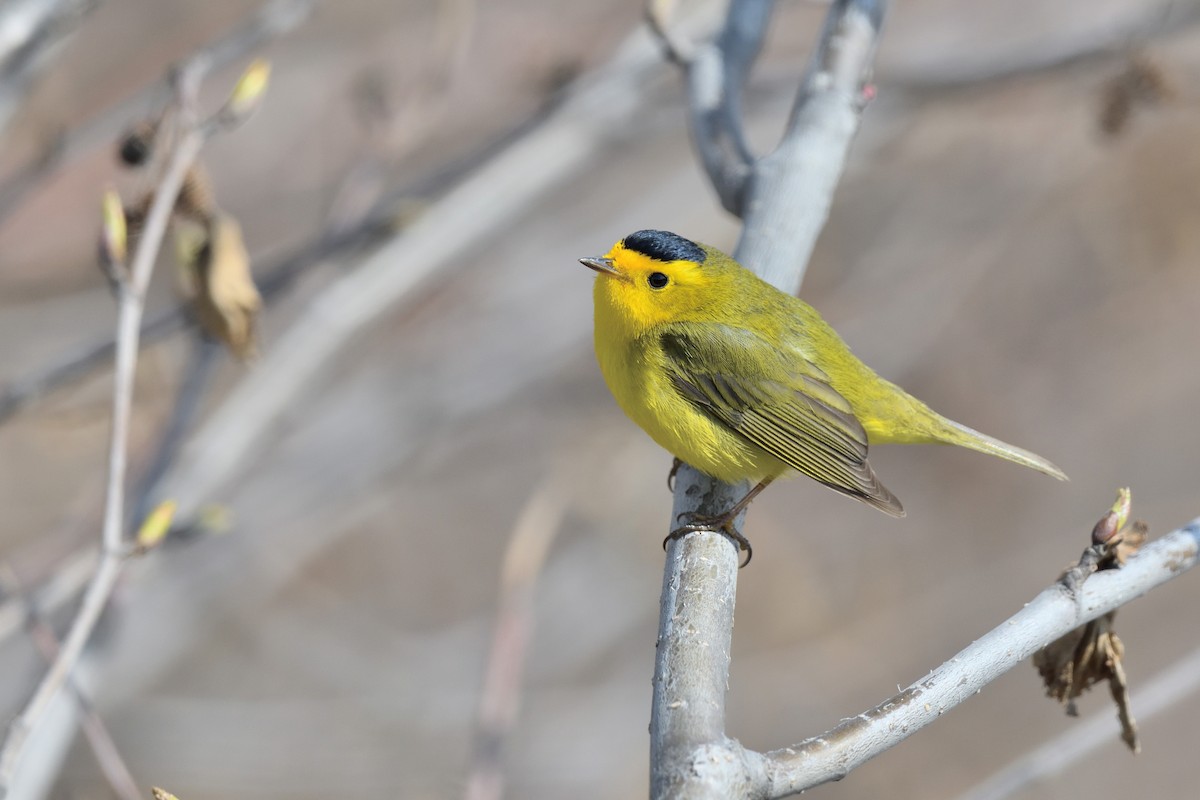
(636, 377)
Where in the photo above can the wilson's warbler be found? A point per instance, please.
(743, 381)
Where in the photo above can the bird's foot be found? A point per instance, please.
(723, 523)
(675, 465)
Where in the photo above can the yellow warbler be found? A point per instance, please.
(743, 381)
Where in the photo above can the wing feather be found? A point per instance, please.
(778, 401)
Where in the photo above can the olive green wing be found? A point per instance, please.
(778, 401)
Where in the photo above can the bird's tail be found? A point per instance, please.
(956, 433)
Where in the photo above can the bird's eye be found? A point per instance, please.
(657, 280)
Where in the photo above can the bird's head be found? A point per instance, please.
(654, 277)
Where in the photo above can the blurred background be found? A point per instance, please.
(1015, 240)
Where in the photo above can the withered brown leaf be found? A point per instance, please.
(1142, 83)
(1093, 653)
(215, 271)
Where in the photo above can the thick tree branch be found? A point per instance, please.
(793, 186)
(786, 204)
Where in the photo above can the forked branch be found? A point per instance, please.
(131, 285)
(784, 198)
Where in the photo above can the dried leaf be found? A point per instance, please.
(216, 268)
(1094, 653)
(196, 199)
(1143, 83)
(162, 794)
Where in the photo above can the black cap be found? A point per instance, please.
(664, 246)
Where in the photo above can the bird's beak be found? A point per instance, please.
(602, 265)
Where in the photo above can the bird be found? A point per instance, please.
(746, 382)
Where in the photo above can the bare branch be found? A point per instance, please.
(274, 19)
(690, 755)
(1048, 616)
(1163, 19)
(1161, 693)
(339, 239)
(569, 137)
(33, 33)
(794, 185)
(108, 757)
(535, 530)
(131, 303)
(63, 585)
(716, 74)
(787, 200)
(677, 48)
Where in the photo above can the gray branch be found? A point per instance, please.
(31, 35)
(787, 198)
(786, 201)
(1050, 615)
(716, 73)
(273, 19)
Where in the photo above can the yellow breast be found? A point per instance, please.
(634, 367)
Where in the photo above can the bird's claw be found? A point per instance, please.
(675, 465)
(693, 522)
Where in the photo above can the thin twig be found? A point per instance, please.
(716, 72)
(196, 374)
(278, 276)
(108, 757)
(131, 303)
(1146, 23)
(33, 34)
(1048, 616)
(535, 530)
(274, 19)
(567, 139)
(70, 576)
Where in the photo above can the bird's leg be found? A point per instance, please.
(722, 523)
(675, 465)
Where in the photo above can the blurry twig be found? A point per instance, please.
(1165, 18)
(572, 135)
(108, 757)
(196, 374)
(71, 575)
(131, 295)
(61, 587)
(340, 239)
(1161, 693)
(716, 71)
(274, 19)
(32, 33)
(537, 525)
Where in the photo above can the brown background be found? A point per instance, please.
(989, 249)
